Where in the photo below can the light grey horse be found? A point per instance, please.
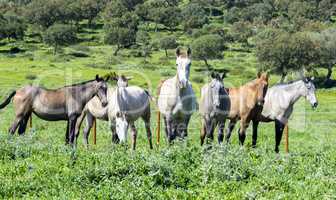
(176, 99)
(279, 103)
(92, 111)
(214, 107)
(127, 104)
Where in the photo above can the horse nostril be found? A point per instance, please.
(315, 105)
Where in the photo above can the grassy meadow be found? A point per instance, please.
(39, 166)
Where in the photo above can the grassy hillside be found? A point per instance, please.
(39, 165)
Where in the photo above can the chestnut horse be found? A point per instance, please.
(245, 102)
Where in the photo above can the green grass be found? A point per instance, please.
(39, 165)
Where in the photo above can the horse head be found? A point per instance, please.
(261, 87)
(217, 88)
(101, 87)
(183, 63)
(309, 91)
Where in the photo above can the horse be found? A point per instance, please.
(66, 103)
(245, 102)
(214, 107)
(279, 104)
(176, 99)
(94, 110)
(126, 105)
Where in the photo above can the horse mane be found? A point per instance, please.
(288, 83)
(78, 84)
(159, 87)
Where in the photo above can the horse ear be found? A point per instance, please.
(222, 75)
(189, 52)
(107, 78)
(312, 78)
(178, 52)
(97, 77)
(213, 75)
(129, 78)
(258, 74)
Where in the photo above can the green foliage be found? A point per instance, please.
(283, 52)
(168, 42)
(241, 31)
(208, 47)
(59, 35)
(194, 16)
(143, 39)
(12, 26)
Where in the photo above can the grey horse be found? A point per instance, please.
(126, 105)
(214, 107)
(279, 103)
(176, 99)
(66, 103)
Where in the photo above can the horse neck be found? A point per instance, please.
(294, 91)
(179, 91)
(87, 91)
(120, 97)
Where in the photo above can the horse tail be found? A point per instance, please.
(8, 100)
(150, 96)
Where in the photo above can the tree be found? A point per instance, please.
(59, 35)
(194, 16)
(208, 47)
(241, 31)
(89, 9)
(282, 52)
(43, 13)
(143, 39)
(121, 31)
(327, 51)
(12, 26)
(168, 42)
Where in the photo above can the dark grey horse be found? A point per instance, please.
(66, 103)
(214, 107)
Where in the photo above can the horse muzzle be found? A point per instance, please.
(315, 105)
(104, 103)
(261, 103)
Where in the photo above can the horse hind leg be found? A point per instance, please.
(15, 124)
(134, 136)
(279, 127)
(23, 124)
(229, 130)
(242, 131)
(146, 120)
(203, 131)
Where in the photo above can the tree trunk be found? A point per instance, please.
(206, 63)
(116, 51)
(283, 76)
(55, 49)
(328, 77)
(166, 53)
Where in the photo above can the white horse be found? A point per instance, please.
(214, 107)
(176, 99)
(126, 105)
(278, 106)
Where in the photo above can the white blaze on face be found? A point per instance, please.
(121, 128)
(183, 69)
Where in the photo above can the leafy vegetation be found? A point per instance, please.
(239, 37)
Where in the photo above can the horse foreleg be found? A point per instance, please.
(229, 130)
(170, 127)
(115, 138)
(67, 134)
(242, 131)
(72, 127)
(255, 133)
(134, 136)
(221, 126)
(203, 132)
(210, 128)
(79, 124)
(185, 127)
(279, 127)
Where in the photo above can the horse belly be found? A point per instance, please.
(49, 113)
